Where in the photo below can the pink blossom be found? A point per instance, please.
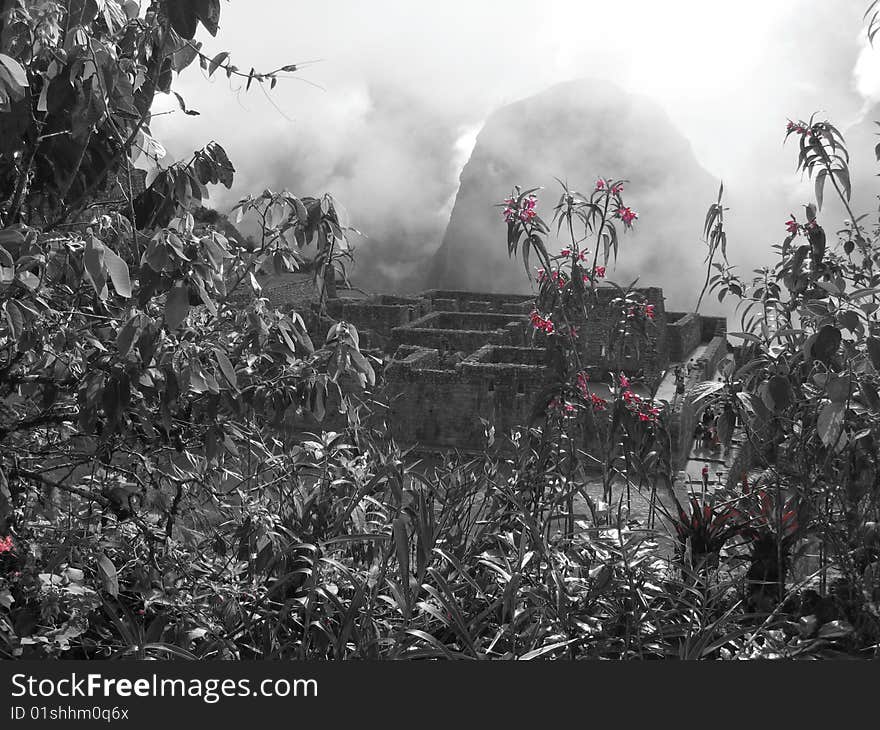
(541, 323)
(649, 311)
(600, 184)
(565, 253)
(631, 398)
(582, 256)
(624, 381)
(599, 272)
(598, 403)
(792, 226)
(541, 275)
(617, 189)
(6, 544)
(627, 215)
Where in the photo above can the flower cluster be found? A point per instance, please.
(6, 544)
(582, 379)
(541, 323)
(599, 404)
(556, 276)
(791, 226)
(646, 310)
(598, 273)
(627, 215)
(525, 213)
(635, 404)
(603, 184)
(801, 129)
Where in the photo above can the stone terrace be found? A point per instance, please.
(460, 360)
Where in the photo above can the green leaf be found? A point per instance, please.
(873, 344)
(826, 344)
(780, 392)
(182, 14)
(401, 543)
(820, 186)
(216, 61)
(226, 368)
(93, 259)
(208, 12)
(16, 72)
(118, 270)
(838, 389)
(15, 319)
(830, 422)
(177, 306)
(107, 572)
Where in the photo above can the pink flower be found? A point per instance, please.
(599, 272)
(599, 404)
(6, 544)
(617, 189)
(565, 253)
(792, 226)
(627, 215)
(569, 408)
(624, 381)
(541, 275)
(541, 323)
(649, 311)
(525, 213)
(582, 256)
(600, 184)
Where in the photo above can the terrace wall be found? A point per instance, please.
(684, 331)
(443, 408)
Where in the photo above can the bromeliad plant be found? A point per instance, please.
(703, 530)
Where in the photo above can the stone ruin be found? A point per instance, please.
(457, 360)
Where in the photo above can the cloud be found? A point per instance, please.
(407, 85)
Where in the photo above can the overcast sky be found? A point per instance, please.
(406, 86)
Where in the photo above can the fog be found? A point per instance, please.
(405, 88)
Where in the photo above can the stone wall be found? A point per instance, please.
(443, 300)
(439, 399)
(443, 408)
(683, 333)
(460, 331)
(365, 315)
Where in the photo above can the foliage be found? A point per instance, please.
(167, 489)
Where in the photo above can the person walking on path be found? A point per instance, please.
(705, 473)
(679, 382)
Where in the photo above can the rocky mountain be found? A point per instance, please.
(579, 131)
